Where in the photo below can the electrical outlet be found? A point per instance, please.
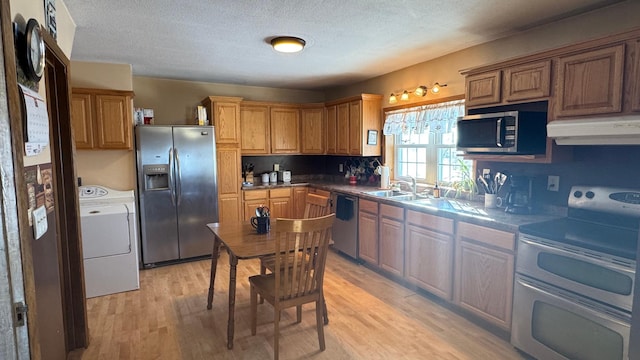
(553, 183)
(276, 167)
(340, 168)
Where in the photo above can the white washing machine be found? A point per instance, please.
(109, 240)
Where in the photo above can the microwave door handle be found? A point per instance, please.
(499, 132)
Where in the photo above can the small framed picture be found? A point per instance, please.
(372, 137)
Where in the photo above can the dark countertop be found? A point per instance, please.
(457, 209)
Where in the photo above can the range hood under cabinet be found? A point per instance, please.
(611, 130)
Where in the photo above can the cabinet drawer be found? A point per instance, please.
(368, 206)
(278, 193)
(392, 212)
(429, 221)
(498, 238)
(255, 194)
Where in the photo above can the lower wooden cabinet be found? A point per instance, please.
(229, 184)
(391, 235)
(299, 202)
(429, 253)
(280, 203)
(368, 231)
(484, 273)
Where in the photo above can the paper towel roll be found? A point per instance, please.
(384, 176)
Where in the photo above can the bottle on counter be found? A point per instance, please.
(436, 191)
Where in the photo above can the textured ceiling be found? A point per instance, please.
(347, 40)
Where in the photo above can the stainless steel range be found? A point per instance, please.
(574, 280)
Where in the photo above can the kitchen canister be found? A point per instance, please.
(265, 178)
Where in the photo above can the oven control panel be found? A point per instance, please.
(606, 199)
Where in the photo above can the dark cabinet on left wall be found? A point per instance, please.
(102, 119)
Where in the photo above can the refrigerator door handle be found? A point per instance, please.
(179, 179)
(172, 189)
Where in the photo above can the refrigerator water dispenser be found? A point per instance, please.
(156, 177)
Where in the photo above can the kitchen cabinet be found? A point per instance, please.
(229, 184)
(102, 119)
(355, 117)
(391, 239)
(280, 203)
(591, 82)
(484, 273)
(299, 201)
(368, 231)
(224, 113)
(332, 124)
(312, 124)
(429, 253)
(285, 130)
(483, 89)
(342, 129)
(527, 81)
(254, 199)
(255, 129)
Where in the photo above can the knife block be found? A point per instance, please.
(248, 177)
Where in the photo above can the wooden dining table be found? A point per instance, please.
(242, 242)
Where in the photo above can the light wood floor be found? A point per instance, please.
(371, 317)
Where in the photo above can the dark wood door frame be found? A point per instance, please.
(66, 196)
(17, 141)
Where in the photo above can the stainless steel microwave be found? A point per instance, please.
(512, 132)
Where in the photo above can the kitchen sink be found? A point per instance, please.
(387, 193)
(395, 195)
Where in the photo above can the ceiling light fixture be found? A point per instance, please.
(420, 91)
(288, 44)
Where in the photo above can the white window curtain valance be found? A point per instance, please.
(436, 118)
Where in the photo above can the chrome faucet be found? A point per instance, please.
(413, 184)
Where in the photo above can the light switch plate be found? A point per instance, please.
(40, 224)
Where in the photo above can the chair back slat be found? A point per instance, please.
(308, 241)
(316, 206)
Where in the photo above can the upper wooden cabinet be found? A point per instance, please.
(342, 129)
(527, 81)
(332, 126)
(102, 119)
(285, 130)
(483, 89)
(225, 114)
(255, 129)
(312, 124)
(591, 82)
(355, 117)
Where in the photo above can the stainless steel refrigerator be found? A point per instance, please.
(177, 189)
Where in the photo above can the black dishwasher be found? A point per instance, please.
(345, 227)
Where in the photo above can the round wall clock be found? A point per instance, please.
(33, 51)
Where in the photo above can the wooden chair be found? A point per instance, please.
(316, 205)
(300, 279)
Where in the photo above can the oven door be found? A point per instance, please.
(605, 278)
(552, 324)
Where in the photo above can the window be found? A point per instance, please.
(425, 139)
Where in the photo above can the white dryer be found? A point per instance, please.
(109, 240)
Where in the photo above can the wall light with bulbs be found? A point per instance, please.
(420, 91)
